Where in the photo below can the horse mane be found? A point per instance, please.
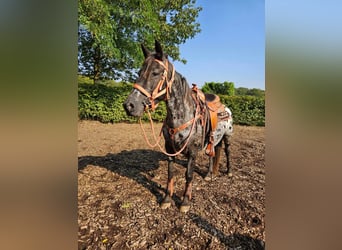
(182, 84)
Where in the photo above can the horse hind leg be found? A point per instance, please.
(209, 175)
(214, 163)
(218, 150)
(226, 139)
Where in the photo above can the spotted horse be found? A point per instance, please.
(194, 121)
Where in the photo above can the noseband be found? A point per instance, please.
(158, 91)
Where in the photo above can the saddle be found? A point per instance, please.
(217, 113)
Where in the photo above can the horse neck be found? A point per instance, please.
(180, 106)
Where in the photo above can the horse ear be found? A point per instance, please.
(159, 50)
(146, 52)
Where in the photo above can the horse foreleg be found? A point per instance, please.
(185, 206)
(170, 184)
(227, 151)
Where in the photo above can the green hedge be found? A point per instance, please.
(247, 110)
(104, 103)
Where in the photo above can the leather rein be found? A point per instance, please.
(157, 92)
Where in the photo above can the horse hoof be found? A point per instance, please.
(165, 205)
(184, 208)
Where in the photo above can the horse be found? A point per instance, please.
(187, 128)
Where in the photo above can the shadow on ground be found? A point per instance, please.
(138, 165)
(232, 242)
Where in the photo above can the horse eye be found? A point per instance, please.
(155, 73)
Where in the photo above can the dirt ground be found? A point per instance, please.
(121, 182)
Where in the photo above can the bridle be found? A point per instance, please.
(158, 91)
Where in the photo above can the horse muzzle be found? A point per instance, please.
(133, 109)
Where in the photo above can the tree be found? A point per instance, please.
(251, 92)
(241, 91)
(110, 33)
(92, 61)
(225, 88)
(256, 92)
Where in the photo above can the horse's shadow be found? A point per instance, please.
(138, 165)
(232, 242)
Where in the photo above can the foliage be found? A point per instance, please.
(224, 88)
(110, 33)
(107, 82)
(247, 110)
(251, 92)
(227, 88)
(104, 103)
(92, 60)
(84, 79)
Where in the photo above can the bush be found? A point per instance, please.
(104, 103)
(247, 110)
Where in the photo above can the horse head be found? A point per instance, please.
(153, 84)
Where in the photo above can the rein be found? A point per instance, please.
(192, 122)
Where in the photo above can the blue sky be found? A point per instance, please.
(230, 47)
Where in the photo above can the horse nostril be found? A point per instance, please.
(130, 106)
